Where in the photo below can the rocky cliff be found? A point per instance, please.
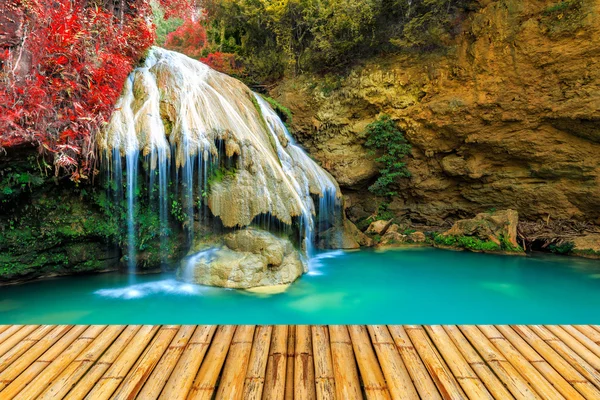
(507, 117)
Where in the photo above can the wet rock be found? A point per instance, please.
(491, 226)
(250, 258)
(378, 227)
(392, 238)
(350, 237)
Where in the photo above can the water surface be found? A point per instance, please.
(407, 286)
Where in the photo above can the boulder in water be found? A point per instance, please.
(250, 258)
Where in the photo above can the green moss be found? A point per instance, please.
(283, 112)
(563, 248)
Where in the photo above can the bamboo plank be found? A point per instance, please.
(136, 378)
(27, 358)
(45, 373)
(582, 366)
(374, 383)
(347, 383)
(112, 378)
(439, 371)
(96, 371)
(324, 380)
(257, 365)
(517, 385)
(204, 384)
(161, 373)
(289, 373)
(535, 379)
(231, 385)
(182, 378)
(585, 351)
(416, 369)
(61, 385)
(276, 365)
(395, 373)
(304, 367)
(560, 383)
(483, 371)
(462, 371)
(21, 341)
(13, 335)
(568, 371)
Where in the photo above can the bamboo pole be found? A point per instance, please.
(538, 362)
(569, 372)
(97, 370)
(53, 362)
(587, 351)
(136, 378)
(582, 366)
(374, 382)
(528, 371)
(113, 377)
(517, 385)
(6, 327)
(304, 367)
(416, 369)
(24, 339)
(324, 380)
(181, 379)
(590, 332)
(483, 371)
(582, 338)
(231, 385)
(276, 365)
(204, 384)
(347, 383)
(289, 373)
(257, 365)
(161, 373)
(439, 371)
(462, 371)
(396, 375)
(27, 358)
(13, 335)
(75, 370)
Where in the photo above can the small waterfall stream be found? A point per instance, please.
(211, 150)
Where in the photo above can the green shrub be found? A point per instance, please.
(562, 248)
(383, 135)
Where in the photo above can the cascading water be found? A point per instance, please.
(212, 149)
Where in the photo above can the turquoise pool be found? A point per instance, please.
(408, 286)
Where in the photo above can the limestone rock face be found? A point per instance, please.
(507, 119)
(489, 226)
(250, 258)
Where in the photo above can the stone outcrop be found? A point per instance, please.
(495, 226)
(347, 237)
(249, 258)
(507, 118)
(587, 246)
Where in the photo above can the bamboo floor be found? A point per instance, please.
(299, 362)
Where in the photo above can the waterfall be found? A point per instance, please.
(212, 150)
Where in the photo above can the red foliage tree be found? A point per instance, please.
(223, 62)
(189, 39)
(79, 59)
